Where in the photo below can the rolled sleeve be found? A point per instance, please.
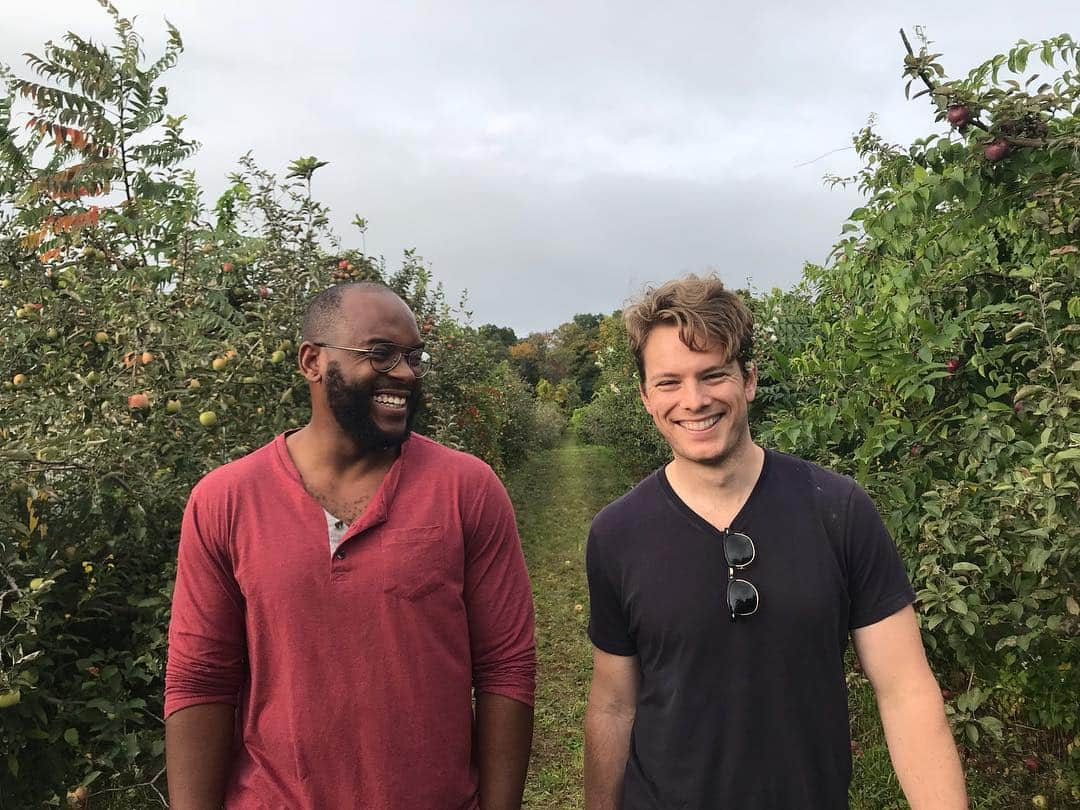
(498, 598)
(206, 660)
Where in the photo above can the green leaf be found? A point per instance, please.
(1037, 558)
(992, 726)
(1019, 329)
(1027, 390)
(965, 566)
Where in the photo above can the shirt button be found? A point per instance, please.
(339, 555)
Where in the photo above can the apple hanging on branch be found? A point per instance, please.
(959, 115)
(996, 150)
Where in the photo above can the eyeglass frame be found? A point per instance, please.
(400, 351)
(731, 574)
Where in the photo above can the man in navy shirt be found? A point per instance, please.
(724, 588)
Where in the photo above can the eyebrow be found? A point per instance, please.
(671, 375)
(419, 345)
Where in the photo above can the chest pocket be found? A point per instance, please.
(413, 561)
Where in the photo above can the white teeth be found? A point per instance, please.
(390, 399)
(704, 424)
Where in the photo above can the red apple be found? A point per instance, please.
(1031, 764)
(952, 365)
(996, 150)
(138, 401)
(227, 267)
(958, 114)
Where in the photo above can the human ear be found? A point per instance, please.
(308, 358)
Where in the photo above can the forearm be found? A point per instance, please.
(504, 730)
(198, 748)
(922, 749)
(607, 747)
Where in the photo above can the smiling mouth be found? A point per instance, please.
(701, 425)
(390, 400)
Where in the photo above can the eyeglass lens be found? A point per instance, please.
(738, 549)
(742, 597)
(385, 357)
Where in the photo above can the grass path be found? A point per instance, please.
(556, 494)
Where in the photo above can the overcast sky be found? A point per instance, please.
(555, 157)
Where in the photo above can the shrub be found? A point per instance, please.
(550, 424)
(144, 344)
(942, 375)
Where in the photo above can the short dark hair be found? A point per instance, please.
(707, 316)
(323, 314)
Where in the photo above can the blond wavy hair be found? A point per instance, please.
(708, 316)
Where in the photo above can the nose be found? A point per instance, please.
(402, 371)
(697, 396)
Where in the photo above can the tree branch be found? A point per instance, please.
(931, 87)
(922, 73)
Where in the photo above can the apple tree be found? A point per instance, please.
(942, 374)
(147, 338)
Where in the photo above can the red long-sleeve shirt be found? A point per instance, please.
(352, 673)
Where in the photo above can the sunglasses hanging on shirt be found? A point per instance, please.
(742, 597)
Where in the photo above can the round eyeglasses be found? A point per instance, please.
(385, 356)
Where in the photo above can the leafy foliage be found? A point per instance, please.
(145, 341)
(934, 359)
(942, 376)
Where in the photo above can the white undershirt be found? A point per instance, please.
(336, 530)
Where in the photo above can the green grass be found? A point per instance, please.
(556, 493)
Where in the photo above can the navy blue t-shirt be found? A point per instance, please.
(751, 714)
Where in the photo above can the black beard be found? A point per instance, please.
(351, 407)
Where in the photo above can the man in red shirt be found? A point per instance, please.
(342, 592)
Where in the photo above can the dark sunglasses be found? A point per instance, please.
(742, 596)
(385, 356)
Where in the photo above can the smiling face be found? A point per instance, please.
(375, 409)
(698, 400)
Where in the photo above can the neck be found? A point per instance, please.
(730, 480)
(322, 444)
